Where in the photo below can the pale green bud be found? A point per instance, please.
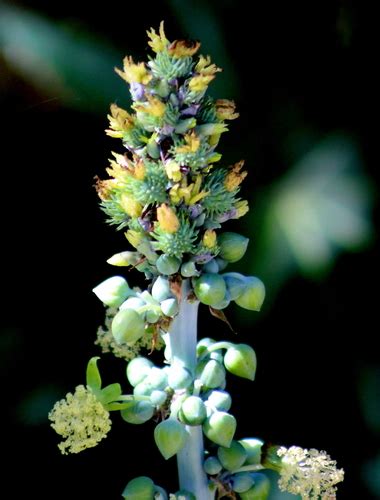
(203, 344)
(241, 482)
(161, 289)
(235, 283)
(220, 428)
(167, 264)
(212, 466)
(211, 373)
(179, 377)
(124, 259)
(160, 493)
(259, 490)
(138, 413)
(127, 326)
(253, 296)
(211, 267)
(132, 303)
(253, 448)
(170, 437)
(152, 316)
(232, 246)
(188, 270)
(232, 457)
(157, 378)
(138, 369)
(209, 288)
(193, 411)
(169, 307)
(240, 359)
(152, 148)
(184, 125)
(220, 400)
(158, 398)
(140, 488)
(113, 291)
(225, 302)
(217, 355)
(142, 389)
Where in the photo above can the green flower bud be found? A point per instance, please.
(127, 326)
(260, 488)
(113, 291)
(188, 269)
(140, 488)
(241, 482)
(143, 389)
(220, 428)
(132, 303)
(179, 377)
(212, 466)
(211, 373)
(167, 264)
(217, 355)
(170, 437)
(138, 413)
(223, 303)
(203, 344)
(152, 316)
(157, 378)
(161, 289)
(211, 267)
(235, 283)
(222, 264)
(209, 288)
(184, 125)
(124, 259)
(232, 246)
(169, 307)
(152, 148)
(253, 296)
(160, 493)
(220, 400)
(193, 411)
(253, 448)
(138, 369)
(158, 398)
(240, 360)
(232, 457)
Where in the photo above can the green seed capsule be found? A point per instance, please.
(140, 488)
(127, 326)
(193, 411)
(241, 482)
(223, 303)
(260, 489)
(113, 291)
(167, 264)
(179, 377)
(232, 246)
(170, 437)
(188, 270)
(220, 428)
(220, 400)
(161, 289)
(212, 466)
(253, 296)
(232, 457)
(138, 369)
(209, 288)
(138, 413)
(253, 448)
(240, 360)
(213, 374)
(169, 307)
(211, 267)
(236, 284)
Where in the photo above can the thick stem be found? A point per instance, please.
(182, 341)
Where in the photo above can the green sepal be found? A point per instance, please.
(110, 393)
(93, 379)
(139, 488)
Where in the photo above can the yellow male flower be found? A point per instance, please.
(158, 42)
(205, 67)
(192, 143)
(154, 107)
(235, 177)
(167, 219)
(81, 419)
(134, 73)
(183, 48)
(241, 208)
(139, 169)
(190, 194)
(120, 121)
(134, 237)
(209, 238)
(225, 109)
(198, 83)
(173, 170)
(130, 206)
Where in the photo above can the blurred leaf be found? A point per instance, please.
(34, 408)
(372, 476)
(68, 65)
(369, 395)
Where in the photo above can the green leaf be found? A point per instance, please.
(114, 406)
(93, 378)
(110, 393)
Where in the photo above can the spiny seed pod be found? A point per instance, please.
(179, 377)
(161, 289)
(240, 360)
(259, 490)
(253, 295)
(209, 288)
(232, 246)
(113, 291)
(138, 413)
(235, 283)
(193, 411)
(138, 369)
(167, 264)
(241, 482)
(232, 457)
(132, 303)
(219, 400)
(169, 307)
(220, 428)
(253, 448)
(212, 466)
(140, 488)
(127, 326)
(211, 373)
(170, 437)
(188, 270)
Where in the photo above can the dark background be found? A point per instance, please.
(301, 74)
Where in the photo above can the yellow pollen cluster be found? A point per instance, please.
(81, 420)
